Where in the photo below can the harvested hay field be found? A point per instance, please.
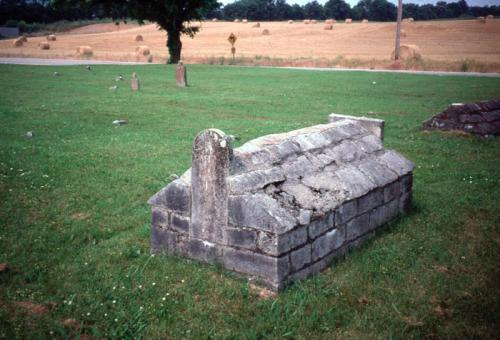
(444, 45)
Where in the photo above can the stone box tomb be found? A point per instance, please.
(281, 207)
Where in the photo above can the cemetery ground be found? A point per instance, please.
(74, 222)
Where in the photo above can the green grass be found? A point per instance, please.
(74, 223)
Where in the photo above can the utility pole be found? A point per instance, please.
(398, 30)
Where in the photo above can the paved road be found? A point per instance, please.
(63, 62)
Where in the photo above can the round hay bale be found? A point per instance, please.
(266, 32)
(290, 21)
(348, 21)
(150, 58)
(237, 20)
(364, 21)
(410, 19)
(329, 21)
(403, 33)
(257, 24)
(138, 37)
(24, 38)
(408, 52)
(18, 42)
(314, 21)
(142, 50)
(44, 45)
(84, 51)
(215, 19)
(307, 21)
(481, 20)
(244, 21)
(328, 27)
(51, 37)
(490, 17)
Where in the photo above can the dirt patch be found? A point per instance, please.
(80, 216)
(32, 308)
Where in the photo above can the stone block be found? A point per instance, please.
(346, 211)
(300, 257)
(242, 238)
(317, 266)
(179, 223)
(163, 240)
(371, 200)
(308, 142)
(375, 126)
(376, 172)
(260, 211)
(298, 167)
(277, 245)
(384, 214)
(405, 202)
(369, 144)
(160, 217)
(204, 251)
(358, 242)
(406, 183)
(327, 243)
(174, 196)
(268, 268)
(355, 182)
(358, 226)
(397, 163)
(255, 180)
(392, 191)
(305, 217)
(302, 194)
(321, 225)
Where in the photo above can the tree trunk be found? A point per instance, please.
(398, 30)
(174, 46)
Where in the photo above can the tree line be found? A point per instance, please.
(47, 11)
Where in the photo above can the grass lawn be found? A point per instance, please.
(74, 223)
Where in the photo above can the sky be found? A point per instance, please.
(419, 2)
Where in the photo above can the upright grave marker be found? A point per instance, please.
(181, 75)
(134, 82)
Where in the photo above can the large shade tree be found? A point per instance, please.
(173, 16)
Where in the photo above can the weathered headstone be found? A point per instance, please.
(180, 75)
(134, 83)
(211, 151)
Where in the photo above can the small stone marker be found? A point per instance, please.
(180, 75)
(134, 83)
(120, 122)
(211, 151)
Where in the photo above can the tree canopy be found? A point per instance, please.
(173, 16)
